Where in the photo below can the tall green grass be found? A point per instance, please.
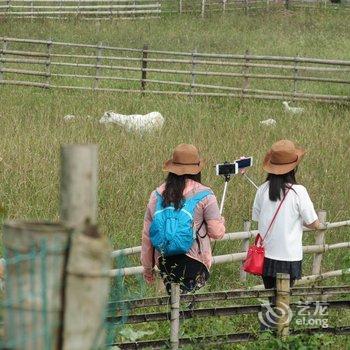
(32, 130)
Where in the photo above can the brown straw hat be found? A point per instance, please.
(283, 157)
(185, 160)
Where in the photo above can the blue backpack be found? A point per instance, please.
(172, 230)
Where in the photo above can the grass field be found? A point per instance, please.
(32, 130)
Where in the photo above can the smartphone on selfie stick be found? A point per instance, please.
(243, 163)
(226, 170)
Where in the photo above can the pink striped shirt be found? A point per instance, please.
(207, 210)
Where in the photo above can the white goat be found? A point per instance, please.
(136, 122)
(292, 110)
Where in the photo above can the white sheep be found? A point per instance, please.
(292, 110)
(269, 122)
(136, 122)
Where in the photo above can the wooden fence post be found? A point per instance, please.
(144, 67)
(98, 63)
(78, 196)
(193, 74)
(180, 6)
(245, 71)
(295, 75)
(246, 6)
(286, 4)
(78, 8)
(175, 316)
(60, 9)
(203, 8)
(8, 6)
(245, 246)
(48, 63)
(319, 240)
(32, 9)
(282, 304)
(224, 2)
(87, 281)
(3, 55)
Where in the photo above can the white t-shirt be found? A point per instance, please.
(284, 240)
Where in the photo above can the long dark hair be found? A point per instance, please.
(279, 183)
(174, 187)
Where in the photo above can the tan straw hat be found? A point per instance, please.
(283, 157)
(185, 160)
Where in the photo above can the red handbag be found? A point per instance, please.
(254, 262)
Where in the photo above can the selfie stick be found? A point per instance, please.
(250, 180)
(227, 179)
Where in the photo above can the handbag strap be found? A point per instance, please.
(275, 215)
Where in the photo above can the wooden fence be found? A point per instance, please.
(318, 249)
(80, 8)
(174, 312)
(58, 65)
(105, 9)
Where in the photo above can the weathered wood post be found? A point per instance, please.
(193, 73)
(87, 282)
(3, 55)
(98, 66)
(245, 72)
(282, 304)
(203, 9)
(319, 240)
(175, 316)
(78, 196)
(295, 76)
(48, 62)
(144, 67)
(245, 247)
(224, 2)
(35, 255)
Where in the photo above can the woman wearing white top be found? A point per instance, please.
(283, 244)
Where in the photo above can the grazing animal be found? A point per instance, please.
(292, 110)
(136, 122)
(69, 117)
(268, 122)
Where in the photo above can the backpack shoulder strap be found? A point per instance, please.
(159, 203)
(192, 201)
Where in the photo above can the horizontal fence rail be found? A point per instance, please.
(57, 65)
(232, 236)
(230, 295)
(80, 8)
(147, 8)
(172, 309)
(216, 311)
(317, 249)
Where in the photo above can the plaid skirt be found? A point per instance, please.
(272, 267)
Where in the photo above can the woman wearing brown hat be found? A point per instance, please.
(282, 237)
(191, 268)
